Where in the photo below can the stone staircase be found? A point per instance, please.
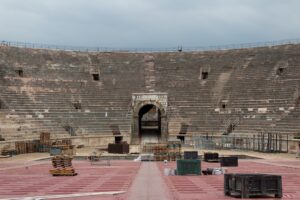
(57, 92)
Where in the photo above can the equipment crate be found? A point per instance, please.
(190, 155)
(248, 185)
(188, 167)
(229, 161)
(211, 157)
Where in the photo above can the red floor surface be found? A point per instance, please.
(20, 181)
(211, 187)
(36, 180)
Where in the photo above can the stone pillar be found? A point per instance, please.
(135, 130)
(164, 129)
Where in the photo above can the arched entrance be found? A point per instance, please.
(149, 117)
(149, 124)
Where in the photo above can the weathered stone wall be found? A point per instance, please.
(208, 92)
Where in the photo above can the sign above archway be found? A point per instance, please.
(142, 98)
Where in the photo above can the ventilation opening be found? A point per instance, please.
(96, 77)
(204, 75)
(1, 138)
(297, 103)
(297, 137)
(77, 105)
(181, 138)
(183, 128)
(2, 105)
(223, 105)
(118, 139)
(280, 70)
(20, 72)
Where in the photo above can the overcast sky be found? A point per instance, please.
(148, 23)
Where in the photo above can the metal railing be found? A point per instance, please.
(141, 50)
(261, 142)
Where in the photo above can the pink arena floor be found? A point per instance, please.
(18, 180)
(211, 187)
(35, 180)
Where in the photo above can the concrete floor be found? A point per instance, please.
(149, 184)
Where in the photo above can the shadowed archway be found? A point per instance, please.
(149, 124)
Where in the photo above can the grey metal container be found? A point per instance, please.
(248, 185)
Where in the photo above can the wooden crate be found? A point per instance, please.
(27, 147)
(45, 138)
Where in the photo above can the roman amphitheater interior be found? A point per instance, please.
(237, 101)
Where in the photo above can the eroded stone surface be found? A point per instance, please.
(206, 91)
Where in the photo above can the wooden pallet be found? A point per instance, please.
(65, 174)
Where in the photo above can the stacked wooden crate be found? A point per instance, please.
(27, 147)
(174, 151)
(65, 146)
(45, 142)
(32, 146)
(62, 166)
(161, 152)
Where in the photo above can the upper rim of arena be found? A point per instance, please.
(179, 48)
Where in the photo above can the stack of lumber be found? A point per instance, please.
(62, 166)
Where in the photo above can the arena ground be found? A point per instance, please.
(28, 176)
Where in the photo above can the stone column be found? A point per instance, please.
(135, 130)
(164, 129)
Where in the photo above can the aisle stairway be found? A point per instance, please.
(56, 91)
